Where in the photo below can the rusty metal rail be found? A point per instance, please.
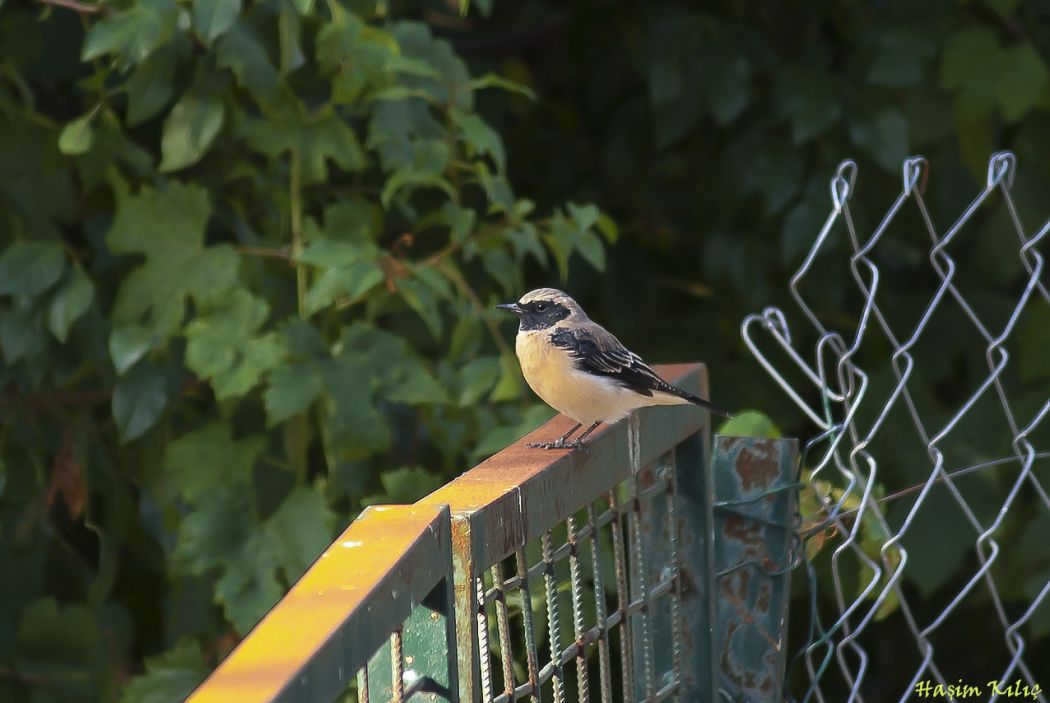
(552, 576)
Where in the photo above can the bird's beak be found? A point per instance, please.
(512, 307)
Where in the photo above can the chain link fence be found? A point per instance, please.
(888, 470)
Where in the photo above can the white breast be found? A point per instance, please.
(550, 372)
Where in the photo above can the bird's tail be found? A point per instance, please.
(706, 404)
(695, 400)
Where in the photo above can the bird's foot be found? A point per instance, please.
(556, 444)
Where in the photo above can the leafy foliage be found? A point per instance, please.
(248, 252)
(246, 273)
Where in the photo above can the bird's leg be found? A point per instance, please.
(559, 443)
(579, 440)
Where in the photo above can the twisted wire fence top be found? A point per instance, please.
(863, 386)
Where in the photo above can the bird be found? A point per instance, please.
(581, 369)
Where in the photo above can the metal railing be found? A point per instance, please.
(383, 586)
(622, 571)
(851, 454)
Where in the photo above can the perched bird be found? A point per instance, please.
(580, 369)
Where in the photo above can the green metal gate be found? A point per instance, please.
(638, 568)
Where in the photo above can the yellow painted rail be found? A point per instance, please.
(346, 606)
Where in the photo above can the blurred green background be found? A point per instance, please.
(249, 249)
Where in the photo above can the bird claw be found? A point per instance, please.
(556, 444)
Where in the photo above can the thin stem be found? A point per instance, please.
(82, 8)
(916, 488)
(461, 283)
(296, 198)
(300, 429)
(283, 253)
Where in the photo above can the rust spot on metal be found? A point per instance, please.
(755, 465)
(765, 593)
(745, 531)
(734, 586)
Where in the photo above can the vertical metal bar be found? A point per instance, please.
(641, 581)
(483, 640)
(362, 685)
(600, 610)
(755, 523)
(531, 655)
(576, 579)
(622, 596)
(694, 488)
(465, 611)
(676, 577)
(553, 624)
(503, 626)
(397, 666)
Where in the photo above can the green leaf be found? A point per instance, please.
(501, 436)
(317, 140)
(902, 57)
(355, 426)
(304, 7)
(206, 458)
(189, 130)
(248, 587)
(351, 281)
(292, 389)
(52, 632)
(169, 677)
(76, 136)
(223, 346)
(728, 88)
(21, 333)
(151, 85)
(412, 383)
(429, 160)
(422, 300)
(30, 268)
(244, 553)
(807, 97)
(1023, 77)
(478, 378)
(300, 529)
(168, 227)
(130, 343)
(212, 18)
(884, 139)
(139, 400)
(334, 253)
(207, 537)
(492, 80)
(132, 34)
(749, 423)
(240, 51)
(69, 303)
(479, 137)
(509, 385)
(406, 484)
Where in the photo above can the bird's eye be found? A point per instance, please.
(540, 307)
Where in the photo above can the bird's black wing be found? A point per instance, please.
(597, 351)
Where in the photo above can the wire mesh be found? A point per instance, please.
(598, 592)
(865, 392)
